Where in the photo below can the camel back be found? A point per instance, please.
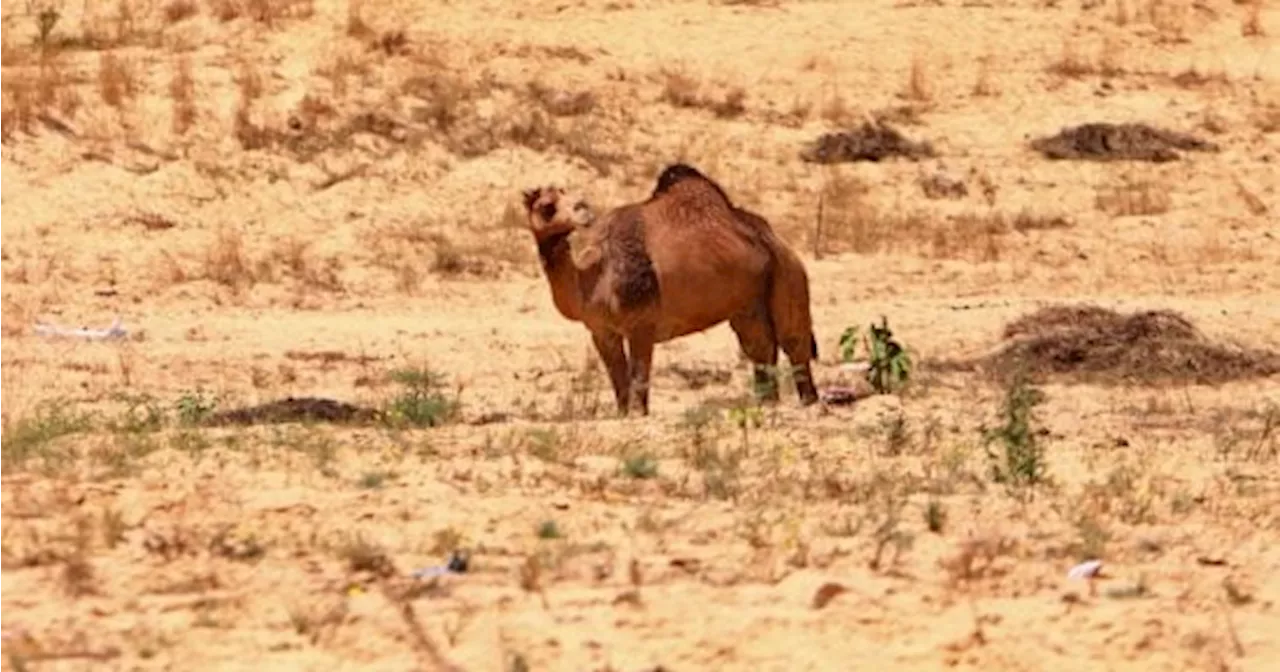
(678, 173)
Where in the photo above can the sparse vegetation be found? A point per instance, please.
(1013, 446)
(290, 205)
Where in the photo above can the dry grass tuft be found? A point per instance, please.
(1108, 61)
(918, 87)
(1092, 344)
(176, 11)
(182, 92)
(680, 89)
(1134, 197)
(848, 221)
(1251, 24)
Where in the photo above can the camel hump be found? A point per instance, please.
(682, 173)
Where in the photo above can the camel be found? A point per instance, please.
(680, 262)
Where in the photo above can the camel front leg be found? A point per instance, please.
(640, 343)
(609, 346)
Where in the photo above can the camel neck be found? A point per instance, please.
(557, 265)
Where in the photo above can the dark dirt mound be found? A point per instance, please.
(295, 409)
(1100, 345)
(1118, 142)
(869, 142)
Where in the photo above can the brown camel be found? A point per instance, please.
(679, 262)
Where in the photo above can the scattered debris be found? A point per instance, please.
(1100, 345)
(295, 409)
(939, 184)
(115, 331)
(459, 563)
(1088, 569)
(839, 396)
(869, 142)
(1118, 142)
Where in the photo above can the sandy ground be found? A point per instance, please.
(301, 198)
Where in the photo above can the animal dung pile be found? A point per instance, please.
(869, 142)
(295, 409)
(1118, 142)
(1095, 344)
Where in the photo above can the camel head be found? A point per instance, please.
(553, 211)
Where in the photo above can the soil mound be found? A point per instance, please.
(295, 409)
(1118, 142)
(869, 142)
(1100, 345)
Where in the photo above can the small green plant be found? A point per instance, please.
(935, 516)
(889, 364)
(194, 407)
(719, 464)
(544, 444)
(849, 344)
(548, 529)
(422, 401)
(1017, 459)
(375, 480)
(640, 466)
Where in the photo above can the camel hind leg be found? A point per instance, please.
(755, 335)
(789, 308)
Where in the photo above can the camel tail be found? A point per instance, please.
(813, 340)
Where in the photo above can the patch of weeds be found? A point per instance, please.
(544, 444)
(363, 555)
(193, 407)
(548, 529)
(719, 465)
(1092, 538)
(897, 438)
(446, 541)
(142, 414)
(746, 417)
(697, 421)
(30, 436)
(935, 516)
(422, 401)
(1017, 459)
(190, 442)
(375, 480)
(888, 533)
(319, 445)
(584, 400)
(641, 466)
(112, 525)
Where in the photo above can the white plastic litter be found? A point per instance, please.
(116, 330)
(1085, 570)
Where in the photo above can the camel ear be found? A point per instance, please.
(531, 196)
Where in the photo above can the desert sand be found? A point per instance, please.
(322, 199)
